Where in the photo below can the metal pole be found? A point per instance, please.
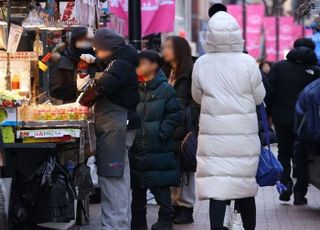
(244, 22)
(8, 15)
(135, 23)
(303, 28)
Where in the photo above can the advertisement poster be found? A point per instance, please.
(158, 15)
(288, 32)
(255, 14)
(68, 14)
(270, 38)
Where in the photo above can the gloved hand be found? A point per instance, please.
(88, 58)
(82, 82)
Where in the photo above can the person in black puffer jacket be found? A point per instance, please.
(178, 66)
(64, 65)
(152, 158)
(117, 91)
(287, 79)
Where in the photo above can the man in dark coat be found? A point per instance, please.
(307, 127)
(287, 79)
(152, 158)
(118, 95)
(64, 65)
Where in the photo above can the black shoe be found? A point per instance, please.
(162, 225)
(185, 216)
(142, 227)
(285, 195)
(299, 200)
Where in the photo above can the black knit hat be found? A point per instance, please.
(105, 39)
(216, 8)
(77, 33)
(304, 42)
(151, 56)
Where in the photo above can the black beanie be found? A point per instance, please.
(216, 8)
(105, 39)
(76, 34)
(151, 56)
(304, 42)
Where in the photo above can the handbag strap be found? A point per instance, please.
(265, 127)
(189, 119)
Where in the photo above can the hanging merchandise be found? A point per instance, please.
(14, 38)
(3, 37)
(87, 12)
(33, 20)
(51, 20)
(38, 45)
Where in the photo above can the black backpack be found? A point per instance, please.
(189, 146)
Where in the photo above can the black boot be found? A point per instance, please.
(299, 199)
(185, 216)
(139, 227)
(162, 225)
(285, 195)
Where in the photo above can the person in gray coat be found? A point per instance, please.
(115, 122)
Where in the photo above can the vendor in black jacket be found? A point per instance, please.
(64, 67)
(287, 79)
(118, 96)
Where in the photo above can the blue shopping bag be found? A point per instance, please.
(270, 169)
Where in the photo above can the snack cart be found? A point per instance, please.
(33, 132)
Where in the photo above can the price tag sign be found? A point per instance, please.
(14, 38)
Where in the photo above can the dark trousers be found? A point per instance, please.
(285, 136)
(246, 207)
(301, 156)
(139, 205)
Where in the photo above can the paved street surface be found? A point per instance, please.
(271, 214)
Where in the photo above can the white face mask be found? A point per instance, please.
(83, 45)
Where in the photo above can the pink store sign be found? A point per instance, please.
(288, 32)
(157, 15)
(255, 14)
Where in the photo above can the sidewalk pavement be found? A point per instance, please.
(271, 213)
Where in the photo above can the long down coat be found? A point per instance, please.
(152, 158)
(228, 85)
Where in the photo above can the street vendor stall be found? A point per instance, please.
(39, 138)
(33, 132)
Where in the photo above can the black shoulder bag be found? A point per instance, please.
(189, 146)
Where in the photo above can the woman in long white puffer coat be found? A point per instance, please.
(228, 85)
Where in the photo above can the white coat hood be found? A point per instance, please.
(224, 34)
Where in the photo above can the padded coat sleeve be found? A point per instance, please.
(195, 87)
(257, 87)
(172, 115)
(112, 79)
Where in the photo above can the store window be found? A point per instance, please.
(183, 18)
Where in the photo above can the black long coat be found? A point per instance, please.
(183, 89)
